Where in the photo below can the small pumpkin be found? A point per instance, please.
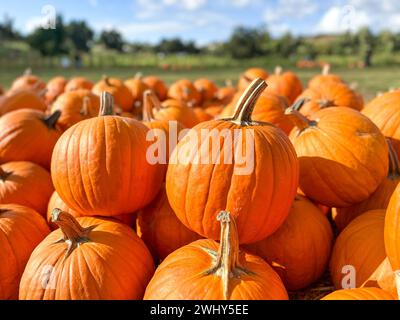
(76, 106)
(121, 93)
(55, 87)
(250, 75)
(174, 110)
(285, 84)
(184, 90)
(207, 88)
(79, 83)
(87, 259)
(22, 99)
(161, 230)
(378, 200)
(28, 135)
(117, 161)
(206, 270)
(325, 78)
(137, 87)
(360, 294)
(288, 249)
(342, 155)
(226, 94)
(21, 230)
(158, 86)
(28, 81)
(254, 197)
(360, 245)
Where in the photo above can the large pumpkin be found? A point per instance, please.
(378, 200)
(76, 106)
(27, 184)
(392, 230)
(360, 294)
(22, 99)
(87, 259)
(184, 90)
(79, 83)
(55, 87)
(161, 230)
(258, 189)
(121, 93)
(250, 75)
(206, 270)
(28, 135)
(21, 230)
(99, 166)
(361, 246)
(289, 251)
(157, 85)
(342, 154)
(285, 84)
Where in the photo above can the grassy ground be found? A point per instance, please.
(369, 81)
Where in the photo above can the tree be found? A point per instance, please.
(80, 35)
(112, 39)
(50, 42)
(287, 45)
(245, 43)
(7, 31)
(366, 42)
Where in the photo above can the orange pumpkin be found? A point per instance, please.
(21, 230)
(226, 94)
(28, 81)
(160, 229)
(158, 86)
(79, 83)
(285, 84)
(206, 270)
(392, 230)
(76, 106)
(174, 110)
(87, 259)
(1, 90)
(361, 246)
(28, 135)
(185, 91)
(360, 294)
(137, 87)
(121, 93)
(342, 155)
(257, 201)
(55, 87)
(116, 161)
(207, 88)
(288, 249)
(250, 75)
(325, 78)
(378, 200)
(22, 99)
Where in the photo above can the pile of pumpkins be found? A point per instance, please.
(84, 215)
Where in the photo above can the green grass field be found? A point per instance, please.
(369, 81)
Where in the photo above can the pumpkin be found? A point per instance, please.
(185, 91)
(361, 246)
(121, 93)
(28, 81)
(116, 161)
(252, 191)
(213, 108)
(378, 200)
(285, 84)
(202, 115)
(174, 110)
(324, 96)
(137, 87)
(384, 111)
(325, 78)
(28, 135)
(21, 230)
(206, 270)
(158, 86)
(87, 259)
(79, 83)
(160, 229)
(1, 90)
(342, 155)
(288, 249)
(226, 94)
(249, 76)
(22, 99)
(56, 202)
(76, 106)
(392, 230)
(207, 88)
(27, 184)
(360, 294)
(55, 87)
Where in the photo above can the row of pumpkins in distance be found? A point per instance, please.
(73, 160)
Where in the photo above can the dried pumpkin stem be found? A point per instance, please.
(394, 167)
(298, 119)
(51, 120)
(278, 70)
(326, 69)
(3, 174)
(85, 106)
(106, 79)
(106, 104)
(150, 101)
(28, 72)
(247, 102)
(326, 103)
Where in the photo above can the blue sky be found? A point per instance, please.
(211, 20)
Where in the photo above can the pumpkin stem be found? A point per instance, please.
(278, 70)
(247, 102)
(43, 92)
(4, 175)
(394, 167)
(85, 106)
(106, 79)
(106, 104)
(74, 233)
(150, 101)
(51, 120)
(228, 83)
(325, 103)
(138, 75)
(297, 118)
(27, 72)
(326, 69)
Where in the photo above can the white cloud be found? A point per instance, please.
(33, 23)
(341, 19)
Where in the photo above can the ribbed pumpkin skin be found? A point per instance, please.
(21, 99)
(181, 277)
(71, 105)
(207, 88)
(55, 87)
(24, 136)
(27, 184)
(121, 93)
(392, 230)
(359, 294)
(185, 91)
(137, 88)
(384, 111)
(360, 245)
(158, 86)
(28, 82)
(114, 265)
(286, 84)
(99, 156)
(343, 157)
(174, 110)
(324, 79)
(249, 75)
(21, 230)
(301, 246)
(197, 192)
(161, 230)
(79, 83)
